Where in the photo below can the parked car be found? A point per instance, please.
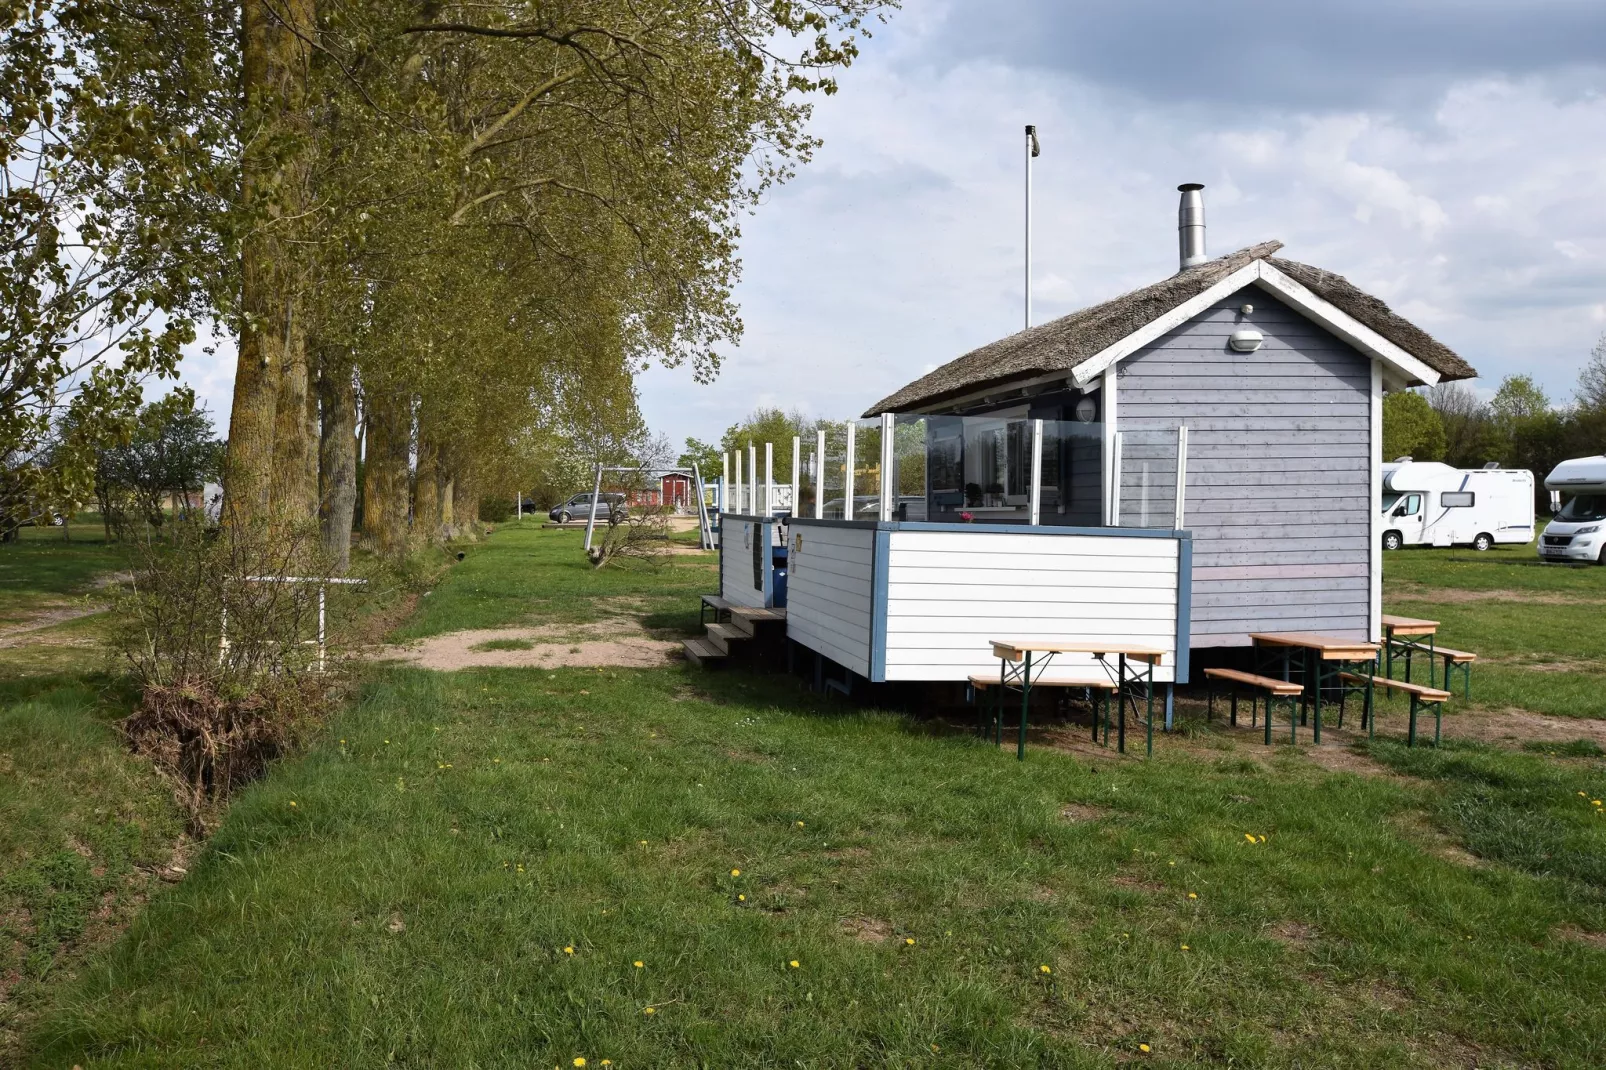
(579, 507)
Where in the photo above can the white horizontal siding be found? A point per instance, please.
(829, 590)
(736, 563)
(950, 594)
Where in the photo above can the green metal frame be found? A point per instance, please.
(1019, 678)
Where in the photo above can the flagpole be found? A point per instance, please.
(1031, 150)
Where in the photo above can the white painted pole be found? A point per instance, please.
(847, 474)
(591, 515)
(738, 483)
(752, 480)
(1036, 490)
(1031, 139)
(819, 474)
(797, 466)
(1115, 482)
(769, 479)
(888, 460)
(724, 482)
(1182, 473)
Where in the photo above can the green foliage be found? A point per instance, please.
(1411, 428)
(707, 457)
(169, 450)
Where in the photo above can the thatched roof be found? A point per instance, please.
(1062, 344)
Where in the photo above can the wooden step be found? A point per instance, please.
(750, 619)
(721, 636)
(701, 652)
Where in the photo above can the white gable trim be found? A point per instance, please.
(1094, 366)
(1294, 293)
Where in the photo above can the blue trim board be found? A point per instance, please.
(1184, 608)
(879, 561)
(1001, 529)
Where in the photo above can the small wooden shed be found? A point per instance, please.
(1252, 383)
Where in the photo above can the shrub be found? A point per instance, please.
(223, 648)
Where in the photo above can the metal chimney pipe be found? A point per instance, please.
(1191, 225)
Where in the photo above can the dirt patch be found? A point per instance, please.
(1076, 813)
(1579, 665)
(867, 930)
(1419, 828)
(1513, 725)
(1135, 883)
(1343, 759)
(22, 633)
(618, 642)
(1292, 933)
(1580, 936)
(1453, 596)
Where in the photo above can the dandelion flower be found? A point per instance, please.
(1262, 839)
(1045, 968)
(1170, 863)
(638, 964)
(1193, 895)
(568, 950)
(794, 964)
(909, 940)
(736, 873)
(292, 802)
(1595, 802)
(642, 842)
(1185, 947)
(579, 1060)
(1143, 1047)
(741, 898)
(800, 824)
(607, 1062)
(1250, 836)
(650, 1010)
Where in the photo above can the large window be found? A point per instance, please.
(1457, 499)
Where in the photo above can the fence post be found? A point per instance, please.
(819, 474)
(888, 462)
(847, 473)
(1035, 491)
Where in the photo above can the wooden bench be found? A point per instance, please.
(1102, 685)
(1275, 690)
(1454, 659)
(717, 604)
(1421, 695)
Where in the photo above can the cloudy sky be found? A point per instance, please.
(1448, 156)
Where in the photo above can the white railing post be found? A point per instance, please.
(888, 461)
(769, 479)
(1182, 474)
(1035, 498)
(797, 467)
(1115, 481)
(752, 480)
(321, 589)
(819, 474)
(847, 473)
(724, 482)
(738, 484)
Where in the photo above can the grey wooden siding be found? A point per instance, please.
(1278, 482)
(829, 592)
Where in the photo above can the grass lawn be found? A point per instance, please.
(82, 822)
(516, 868)
(1536, 628)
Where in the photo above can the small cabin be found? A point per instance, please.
(1183, 465)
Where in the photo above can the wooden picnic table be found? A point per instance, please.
(1319, 651)
(1009, 651)
(1405, 635)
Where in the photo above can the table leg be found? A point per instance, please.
(1316, 732)
(1433, 665)
(1371, 711)
(1120, 712)
(1410, 739)
(1235, 707)
(1025, 699)
(1148, 727)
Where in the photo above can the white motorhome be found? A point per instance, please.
(1578, 533)
(1428, 503)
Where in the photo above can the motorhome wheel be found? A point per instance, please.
(1483, 542)
(1391, 540)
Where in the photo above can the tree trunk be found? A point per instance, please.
(295, 431)
(465, 502)
(337, 461)
(275, 63)
(426, 493)
(385, 496)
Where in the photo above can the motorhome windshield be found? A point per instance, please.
(1389, 498)
(1584, 507)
